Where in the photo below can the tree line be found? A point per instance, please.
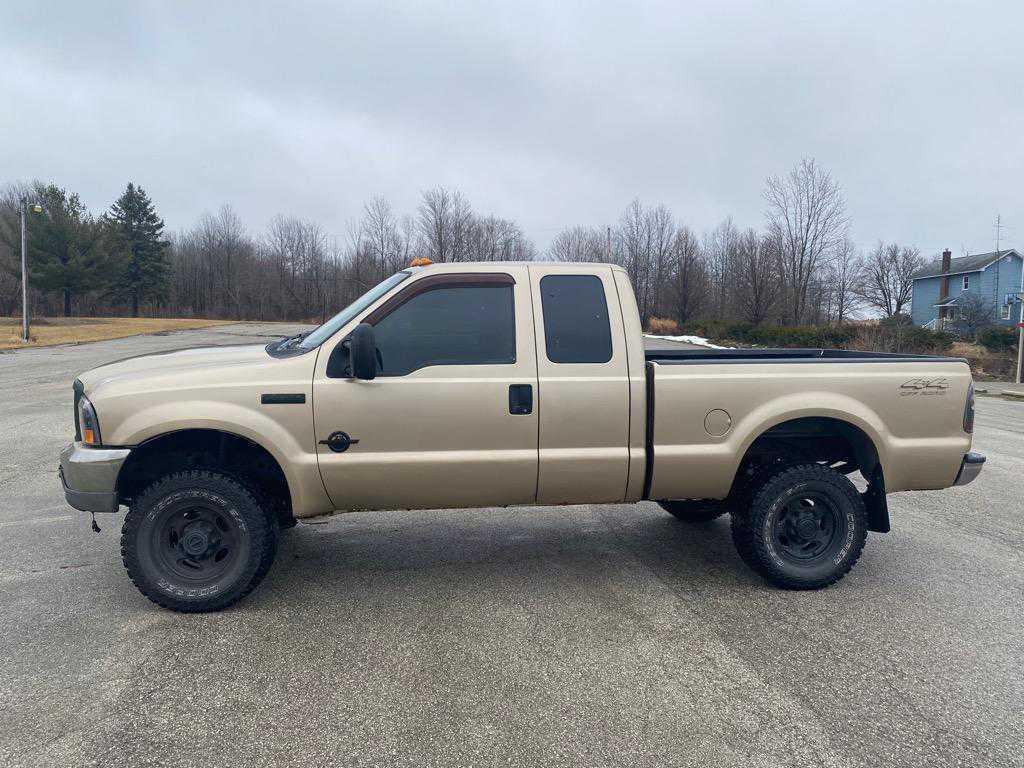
(799, 267)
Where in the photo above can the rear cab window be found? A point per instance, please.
(576, 326)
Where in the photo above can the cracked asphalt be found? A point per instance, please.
(585, 635)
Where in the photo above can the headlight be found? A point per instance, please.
(88, 423)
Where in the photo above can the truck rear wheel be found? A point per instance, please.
(694, 510)
(805, 528)
(197, 541)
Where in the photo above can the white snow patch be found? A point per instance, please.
(698, 340)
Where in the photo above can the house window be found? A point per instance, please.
(967, 282)
(1004, 312)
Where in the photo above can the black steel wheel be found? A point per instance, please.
(805, 528)
(694, 510)
(197, 541)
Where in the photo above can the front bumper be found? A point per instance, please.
(89, 476)
(970, 468)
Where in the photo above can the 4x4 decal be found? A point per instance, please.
(924, 387)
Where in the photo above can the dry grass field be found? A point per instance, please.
(47, 331)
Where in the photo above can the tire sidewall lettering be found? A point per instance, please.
(166, 583)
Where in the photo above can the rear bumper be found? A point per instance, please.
(89, 476)
(970, 468)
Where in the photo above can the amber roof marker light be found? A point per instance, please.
(420, 262)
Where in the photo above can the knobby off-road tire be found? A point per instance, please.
(197, 541)
(805, 528)
(694, 510)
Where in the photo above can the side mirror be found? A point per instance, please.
(363, 352)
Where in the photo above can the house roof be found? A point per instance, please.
(961, 264)
(948, 302)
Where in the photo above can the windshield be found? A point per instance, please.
(328, 329)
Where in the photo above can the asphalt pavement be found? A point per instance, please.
(582, 635)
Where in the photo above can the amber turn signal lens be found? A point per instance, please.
(88, 423)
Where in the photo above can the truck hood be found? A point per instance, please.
(189, 363)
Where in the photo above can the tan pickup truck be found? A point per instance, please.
(487, 385)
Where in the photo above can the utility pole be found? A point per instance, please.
(1020, 301)
(23, 215)
(995, 282)
(1020, 329)
(23, 211)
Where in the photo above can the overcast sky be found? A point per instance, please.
(551, 114)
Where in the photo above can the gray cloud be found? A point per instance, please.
(550, 114)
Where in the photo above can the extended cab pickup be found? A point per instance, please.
(494, 384)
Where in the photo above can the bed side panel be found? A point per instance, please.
(917, 429)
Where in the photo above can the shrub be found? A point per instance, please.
(996, 339)
(830, 336)
(896, 321)
(897, 337)
(889, 335)
(662, 326)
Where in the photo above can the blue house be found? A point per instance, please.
(944, 284)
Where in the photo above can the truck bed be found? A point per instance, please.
(818, 355)
(705, 407)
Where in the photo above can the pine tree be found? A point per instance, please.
(67, 251)
(134, 222)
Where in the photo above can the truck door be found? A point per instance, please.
(451, 419)
(583, 384)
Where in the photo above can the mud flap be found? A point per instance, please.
(875, 502)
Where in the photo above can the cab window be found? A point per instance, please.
(458, 325)
(576, 327)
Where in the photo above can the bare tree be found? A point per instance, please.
(214, 268)
(662, 227)
(806, 216)
(688, 276)
(843, 275)
(381, 232)
(634, 247)
(407, 246)
(434, 220)
(719, 249)
(973, 312)
(444, 218)
(886, 280)
(755, 277)
(298, 252)
(579, 244)
(490, 238)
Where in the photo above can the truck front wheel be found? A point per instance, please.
(197, 541)
(805, 528)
